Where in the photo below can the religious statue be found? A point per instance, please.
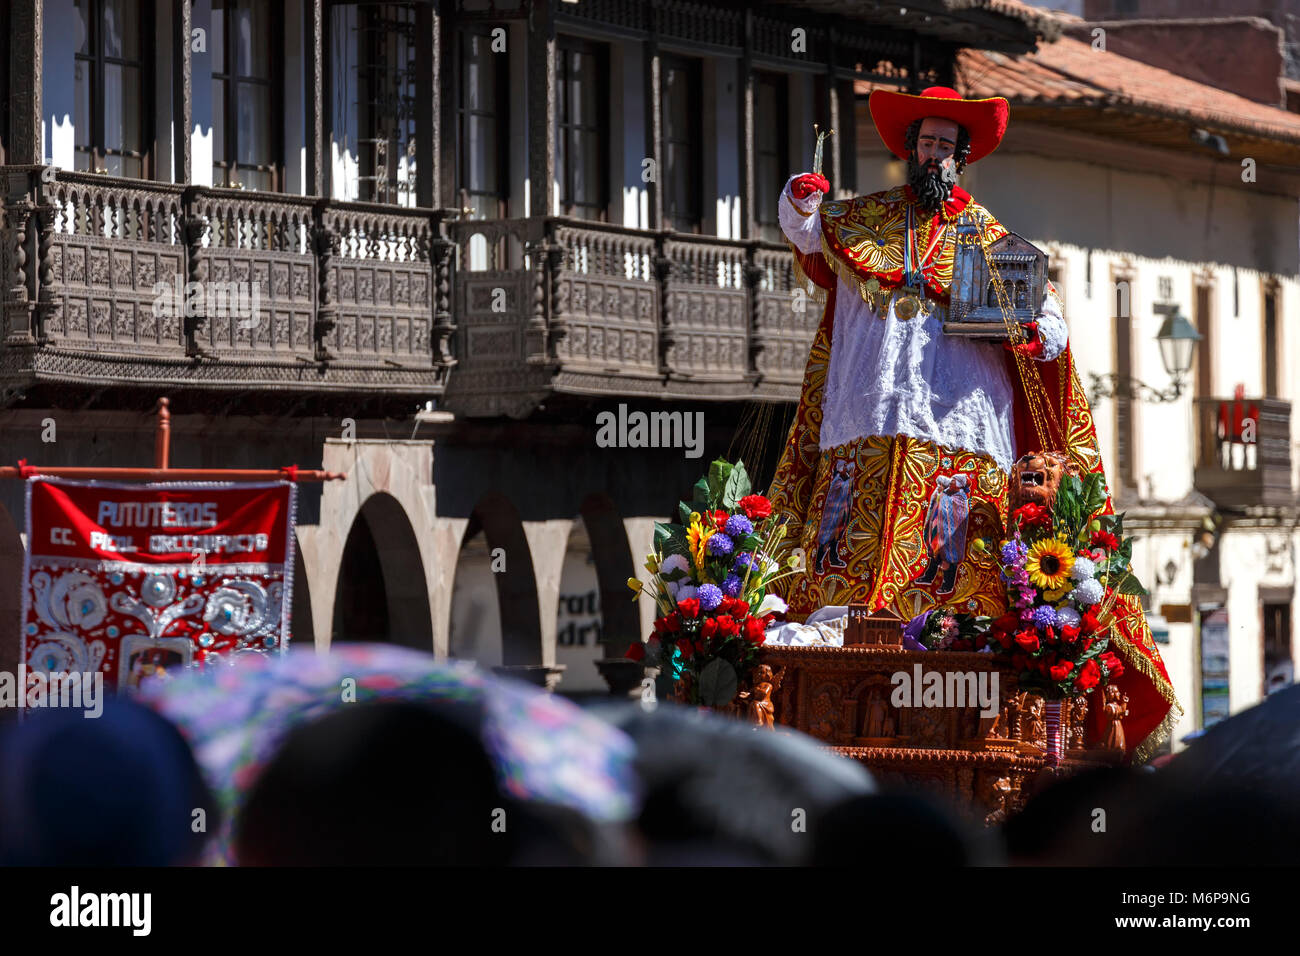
(1035, 723)
(761, 709)
(877, 715)
(1115, 707)
(1078, 722)
(898, 460)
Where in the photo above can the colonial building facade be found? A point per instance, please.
(434, 241)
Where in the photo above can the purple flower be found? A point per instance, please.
(731, 586)
(739, 525)
(1045, 616)
(710, 595)
(720, 544)
(746, 562)
(1013, 552)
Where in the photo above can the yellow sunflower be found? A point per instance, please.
(1049, 564)
(697, 536)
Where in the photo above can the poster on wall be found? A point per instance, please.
(138, 580)
(1214, 666)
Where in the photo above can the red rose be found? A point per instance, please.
(1049, 636)
(1088, 677)
(709, 627)
(740, 609)
(689, 609)
(635, 651)
(1089, 623)
(720, 519)
(725, 606)
(1007, 622)
(755, 507)
(686, 649)
(1113, 666)
(1061, 670)
(1032, 515)
(754, 630)
(1087, 643)
(661, 625)
(728, 626)
(1069, 633)
(1104, 539)
(1004, 638)
(1028, 639)
(673, 622)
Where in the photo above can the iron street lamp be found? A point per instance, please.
(1177, 339)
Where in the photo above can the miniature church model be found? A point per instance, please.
(974, 309)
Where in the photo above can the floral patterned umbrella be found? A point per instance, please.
(544, 747)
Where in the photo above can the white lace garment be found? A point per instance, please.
(895, 377)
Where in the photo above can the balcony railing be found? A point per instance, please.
(1244, 451)
(121, 282)
(571, 306)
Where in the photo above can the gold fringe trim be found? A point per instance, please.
(801, 279)
(851, 278)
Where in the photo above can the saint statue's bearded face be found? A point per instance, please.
(938, 148)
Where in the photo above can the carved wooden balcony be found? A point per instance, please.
(1244, 452)
(349, 298)
(566, 306)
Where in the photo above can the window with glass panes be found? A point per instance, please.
(582, 128)
(110, 87)
(483, 172)
(683, 137)
(386, 102)
(242, 43)
(770, 160)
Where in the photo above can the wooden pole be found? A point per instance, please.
(172, 474)
(162, 441)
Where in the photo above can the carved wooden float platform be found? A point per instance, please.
(990, 765)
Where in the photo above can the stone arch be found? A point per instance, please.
(620, 619)
(381, 593)
(12, 554)
(496, 517)
(301, 627)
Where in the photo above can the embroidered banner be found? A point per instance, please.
(135, 580)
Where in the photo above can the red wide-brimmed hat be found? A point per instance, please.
(985, 120)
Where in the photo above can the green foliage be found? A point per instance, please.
(719, 683)
(671, 539)
(737, 486)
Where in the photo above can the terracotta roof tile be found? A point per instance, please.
(1070, 72)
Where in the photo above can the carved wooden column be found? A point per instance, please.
(447, 43)
(25, 26)
(182, 91)
(541, 106)
(746, 108)
(441, 256)
(18, 306)
(314, 16)
(325, 243)
(428, 107)
(46, 210)
(195, 229)
(653, 119)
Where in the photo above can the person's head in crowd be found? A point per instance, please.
(122, 789)
(395, 784)
(896, 826)
(1065, 822)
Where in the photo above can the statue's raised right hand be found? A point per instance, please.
(804, 186)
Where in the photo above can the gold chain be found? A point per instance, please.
(1044, 418)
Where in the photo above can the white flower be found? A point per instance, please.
(1083, 569)
(674, 562)
(1068, 616)
(1087, 592)
(684, 592)
(770, 604)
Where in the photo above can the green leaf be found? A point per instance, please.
(719, 472)
(671, 539)
(684, 511)
(1131, 585)
(718, 683)
(737, 486)
(700, 495)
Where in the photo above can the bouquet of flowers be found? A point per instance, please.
(709, 578)
(1064, 568)
(946, 630)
